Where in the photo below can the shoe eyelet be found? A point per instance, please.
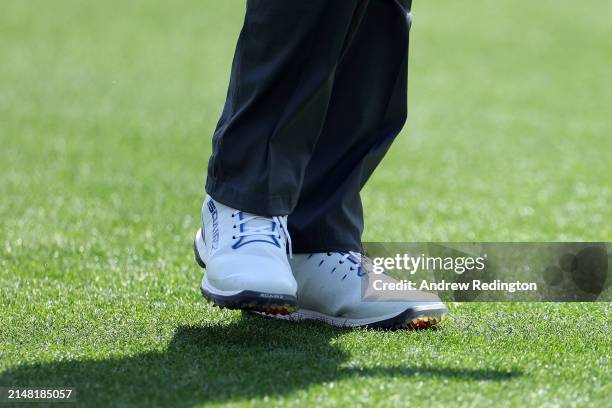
(329, 254)
(234, 226)
(233, 215)
(233, 237)
(352, 269)
(341, 262)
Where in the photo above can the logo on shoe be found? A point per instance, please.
(271, 296)
(215, 224)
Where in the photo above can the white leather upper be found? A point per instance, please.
(330, 283)
(243, 251)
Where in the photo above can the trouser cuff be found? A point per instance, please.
(251, 201)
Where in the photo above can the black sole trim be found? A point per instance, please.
(414, 319)
(199, 260)
(404, 319)
(256, 301)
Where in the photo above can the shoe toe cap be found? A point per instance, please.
(250, 272)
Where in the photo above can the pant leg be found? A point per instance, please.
(367, 110)
(280, 87)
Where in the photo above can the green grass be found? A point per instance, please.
(106, 112)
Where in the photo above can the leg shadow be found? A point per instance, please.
(249, 359)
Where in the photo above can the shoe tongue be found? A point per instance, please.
(356, 256)
(261, 223)
(353, 257)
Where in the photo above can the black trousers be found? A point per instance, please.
(318, 92)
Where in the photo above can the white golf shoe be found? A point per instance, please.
(330, 291)
(245, 257)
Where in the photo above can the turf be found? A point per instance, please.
(106, 112)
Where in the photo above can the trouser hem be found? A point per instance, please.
(251, 201)
(327, 246)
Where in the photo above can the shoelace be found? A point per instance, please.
(266, 230)
(347, 255)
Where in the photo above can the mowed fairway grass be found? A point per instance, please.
(106, 114)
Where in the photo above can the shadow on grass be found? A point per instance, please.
(249, 359)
